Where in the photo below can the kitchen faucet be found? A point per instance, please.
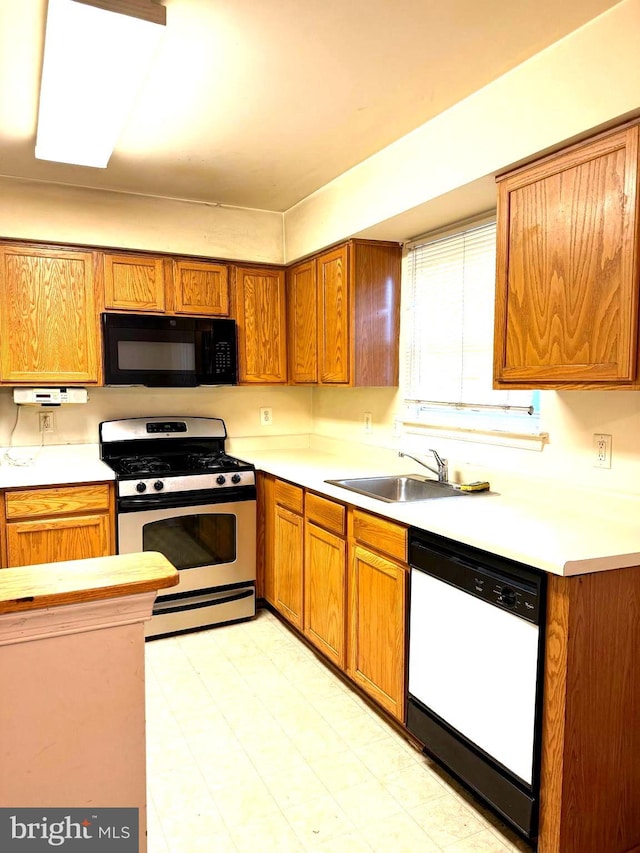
(442, 471)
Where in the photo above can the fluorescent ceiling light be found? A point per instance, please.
(96, 55)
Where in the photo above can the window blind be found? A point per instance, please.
(449, 340)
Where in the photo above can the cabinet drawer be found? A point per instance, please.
(289, 495)
(64, 500)
(379, 533)
(325, 513)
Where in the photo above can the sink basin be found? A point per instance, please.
(396, 489)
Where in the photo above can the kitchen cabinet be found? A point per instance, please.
(567, 268)
(49, 332)
(44, 525)
(590, 774)
(265, 515)
(288, 551)
(168, 285)
(378, 579)
(259, 310)
(325, 581)
(344, 316)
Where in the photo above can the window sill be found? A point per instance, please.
(522, 441)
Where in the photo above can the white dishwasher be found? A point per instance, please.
(475, 671)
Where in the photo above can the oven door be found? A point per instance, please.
(212, 544)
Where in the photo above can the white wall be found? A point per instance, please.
(54, 213)
(238, 406)
(589, 78)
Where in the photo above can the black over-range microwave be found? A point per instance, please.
(169, 352)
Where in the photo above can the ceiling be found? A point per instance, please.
(258, 103)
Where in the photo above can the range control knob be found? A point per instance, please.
(158, 485)
(236, 478)
(141, 487)
(220, 480)
(507, 596)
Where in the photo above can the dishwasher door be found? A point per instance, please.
(476, 636)
(476, 667)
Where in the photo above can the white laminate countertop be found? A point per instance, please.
(551, 527)
(52, 465)
(547, 525)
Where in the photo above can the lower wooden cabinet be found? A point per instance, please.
(55, 524)
(346, 594)
(377, 616)
(325, 577)
(288, 551)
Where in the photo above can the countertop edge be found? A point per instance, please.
(24, 588)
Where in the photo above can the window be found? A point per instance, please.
(449, 338)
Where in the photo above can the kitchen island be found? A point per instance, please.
(72, 712)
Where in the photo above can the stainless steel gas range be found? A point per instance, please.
(179, 493)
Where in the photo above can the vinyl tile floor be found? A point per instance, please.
(254, 745)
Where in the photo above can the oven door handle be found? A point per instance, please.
(182, 499)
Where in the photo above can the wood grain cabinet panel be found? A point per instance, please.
(49, 330)
(53, 540)
(260, 315)
(325, 592)
(133, 283)
(201, 288)
(45, 525)
(567, 268)
(288, 555)
(302, 304)
(344, 316)
(334, 307)
(377, 619)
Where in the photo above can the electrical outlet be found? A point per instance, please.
(46, 421)
(367, 422)
(266, 416)
(602, 450)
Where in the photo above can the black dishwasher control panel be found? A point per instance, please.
(504, 583)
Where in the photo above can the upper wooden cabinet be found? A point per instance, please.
(259, 311)
(200, 287)
(567, 268)
(165, 285)
(133, 283)
(344, 316)
(48, 318)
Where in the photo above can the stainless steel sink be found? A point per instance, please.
(396, 489)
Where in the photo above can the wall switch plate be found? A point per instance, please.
(46, 422)
(368, 422)
(602, 450)
(266, 416)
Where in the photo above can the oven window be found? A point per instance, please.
(191, 541)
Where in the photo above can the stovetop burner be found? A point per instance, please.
(212, 461)
(153, 455)
(142, 465)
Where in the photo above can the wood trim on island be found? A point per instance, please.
(71, 582)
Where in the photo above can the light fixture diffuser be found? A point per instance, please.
(96, 55)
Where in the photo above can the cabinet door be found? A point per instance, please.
(266, 578)
(288, 556)
(567, 289)
(55, 539)
(333, 318)
(201, 288)
(133, 283)
(325, 592)
(49, 329)
(260, 314)
(302, 315)
(377, 594)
